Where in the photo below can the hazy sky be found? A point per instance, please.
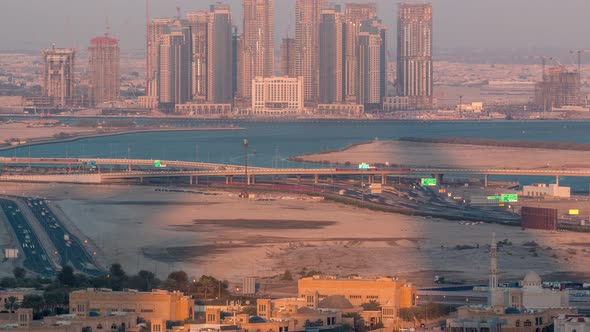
(492, 24)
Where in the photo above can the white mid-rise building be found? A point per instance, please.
(571, 323)
(541, 189)
(277, 96)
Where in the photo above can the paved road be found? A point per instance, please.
(70, 248)
(36, 258)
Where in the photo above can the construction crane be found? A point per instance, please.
(544, 63)
(579, 62)
(544, 60)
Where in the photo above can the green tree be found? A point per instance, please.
(19, 273)
(7, 282)
(359, 322)
(66, 276)
(371, 306)
(100, 282)
(209, 287)
(428, 311)
(34, 302)
(11, 304)
(177, 280)
(56, 298)
(377, 326)
(287, 275)
(144, 281)
(118, 277)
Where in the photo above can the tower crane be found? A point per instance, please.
(579, 61)
(544, 63)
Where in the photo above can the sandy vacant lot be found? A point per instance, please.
(21, 131)
(229, 237)
(451, 155)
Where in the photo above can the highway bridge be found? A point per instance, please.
(141, 170)
(103, 162)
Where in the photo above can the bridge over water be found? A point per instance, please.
(141, 170)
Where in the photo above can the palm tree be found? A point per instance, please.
(11, 304)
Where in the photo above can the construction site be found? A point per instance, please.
(560, 87)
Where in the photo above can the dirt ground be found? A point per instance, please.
(454, 155)
(21, 131)
(230, 238)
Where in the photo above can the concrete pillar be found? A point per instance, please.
(557, 180)
(298, 178)
(253, 179)
(129, 167)
(227, 179)
(231, 179)
(248, 179)
(141, 180)
(439, 179)
(316, 178)
(485, 180)
(383, 179)
(371, 178)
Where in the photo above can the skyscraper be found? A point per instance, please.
(174, 63)
(307, 23)
(371, 51)
(199, 22)
(58, 74)
(220, 55)
(355, 14)
(331, 64)
(414, 53)
(288, 57)
(155, 30)
(103, 69)
(258, 43)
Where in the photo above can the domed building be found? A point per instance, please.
(336, 302)
(535, 296)
(532, 279)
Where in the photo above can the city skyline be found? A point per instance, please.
(521, 27)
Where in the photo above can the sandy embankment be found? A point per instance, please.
(228, 237)
(22, 132)
(453, 155)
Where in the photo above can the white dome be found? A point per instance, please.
(532, 279)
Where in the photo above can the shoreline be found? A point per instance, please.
(483, 143)
(73, 138)
(298, 119)
(301, 158)
(395, 153)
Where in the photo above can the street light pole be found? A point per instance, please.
(246, 166)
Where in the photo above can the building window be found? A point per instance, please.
(517, 323)
(527, 323)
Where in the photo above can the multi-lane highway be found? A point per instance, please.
(69, 247)
(36, 258)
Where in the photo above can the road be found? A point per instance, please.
(69, 247)
(409, 195)
(36, 258)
